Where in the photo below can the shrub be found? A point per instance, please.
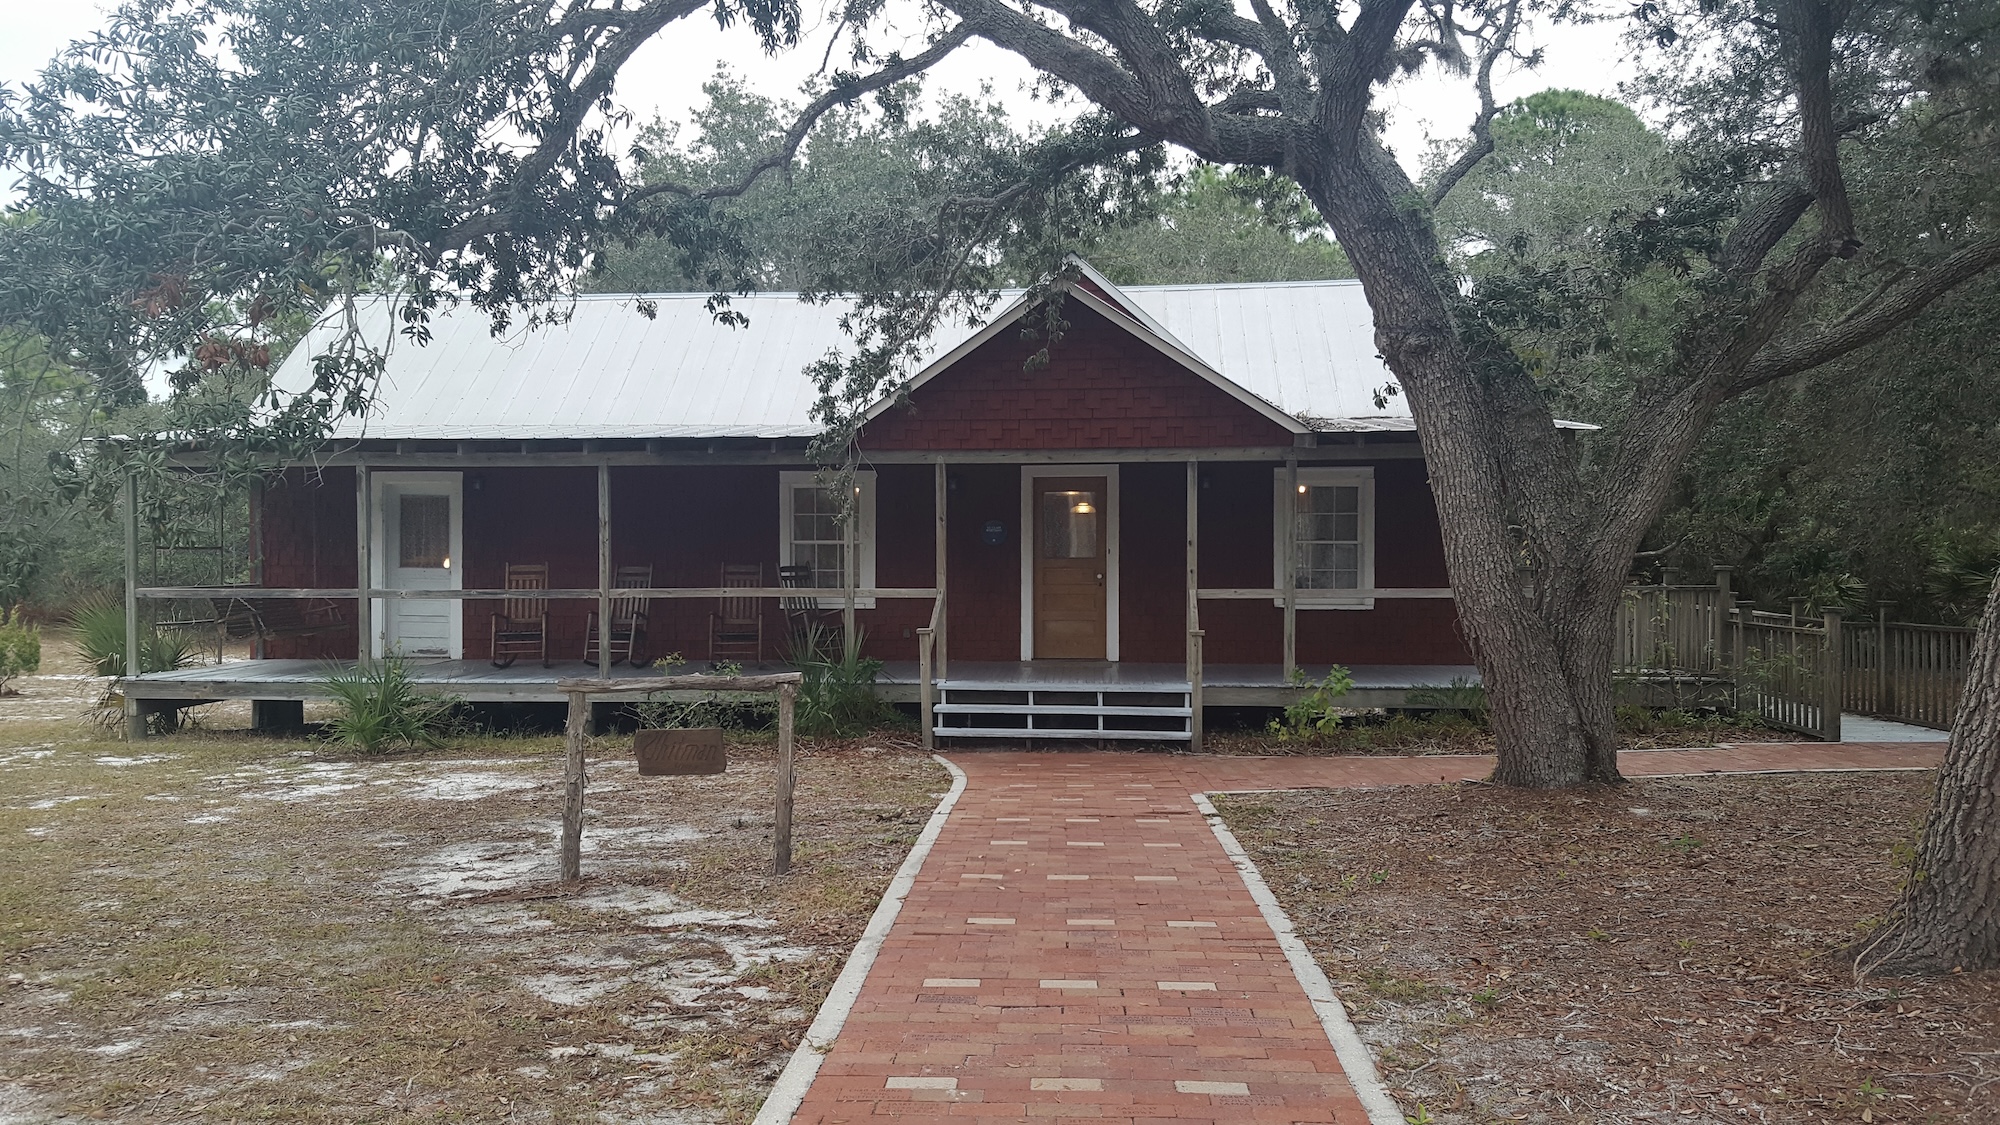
(710, 710)
(838, 695)
(98, 626)
(20, 651)
(1462, 696)
(1316, 714)
(380, 707)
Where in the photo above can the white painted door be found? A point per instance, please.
(419, 538)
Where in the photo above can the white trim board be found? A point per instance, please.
(451, 484)
(1111, 556)
(1347, 1044)
(789, 1091)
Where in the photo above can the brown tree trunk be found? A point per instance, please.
(1505, 481)
(1948, 917)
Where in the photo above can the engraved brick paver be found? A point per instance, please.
(1153, 989)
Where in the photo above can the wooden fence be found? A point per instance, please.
(1910, 673)
(1784, 667)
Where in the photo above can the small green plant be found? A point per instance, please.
(707, 710)
(20, 651)
(1421, 1117)
(1316, 714)
(1486, 998)
(838, 695)
(98, 626)
(1462, 696)
(380, 708)
(1868, 1089)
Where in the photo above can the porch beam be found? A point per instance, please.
(364, 573)
(455, 458)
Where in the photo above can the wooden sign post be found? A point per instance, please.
(579, 691)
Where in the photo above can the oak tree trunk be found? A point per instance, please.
(1948, 917)
(1508, 491)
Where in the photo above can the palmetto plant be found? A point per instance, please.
(838, 695)
(380, 708)
(98, 626)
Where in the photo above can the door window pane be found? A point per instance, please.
(1329, 531)
(423, 532)
(1069, 525)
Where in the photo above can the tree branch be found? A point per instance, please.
(1500, 44)
(842, 93)
(1872, 321)
(1761, 226)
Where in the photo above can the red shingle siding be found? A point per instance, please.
(984, 593)
(1101, 389)
(306, 526)
(1236, 538)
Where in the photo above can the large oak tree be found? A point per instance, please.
(203, 163)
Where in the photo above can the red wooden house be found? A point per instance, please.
(1198, 493)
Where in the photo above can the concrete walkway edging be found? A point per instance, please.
(1355, 1058)
(789, 1091)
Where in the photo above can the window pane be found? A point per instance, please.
(1069, 525)
(423, 531)
(1329, 538)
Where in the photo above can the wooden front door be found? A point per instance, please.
(1070, 565)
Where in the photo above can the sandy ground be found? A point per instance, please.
(218, 927)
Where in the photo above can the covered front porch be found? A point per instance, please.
(277, 688)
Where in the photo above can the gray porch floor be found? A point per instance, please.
(477, 681)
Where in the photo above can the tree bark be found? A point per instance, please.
(1948, 918)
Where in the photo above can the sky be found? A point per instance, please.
(665, 77)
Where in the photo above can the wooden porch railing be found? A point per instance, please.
(1911, 673)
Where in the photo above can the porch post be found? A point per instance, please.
(364, 606)
(135, 720)
(1831, 694)
(1718, 638)
(1288, 568)
(939, 486)
(604, 570)
(1194, 655)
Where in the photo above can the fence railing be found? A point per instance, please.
(1789, 674)
(1799, 674)
(1910, 673)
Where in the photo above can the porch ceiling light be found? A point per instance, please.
(1083, 508)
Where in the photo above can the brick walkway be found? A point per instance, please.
(1077, 944)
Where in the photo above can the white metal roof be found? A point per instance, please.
(1306, 348)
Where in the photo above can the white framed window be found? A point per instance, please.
(810, 532)
(1333, 512)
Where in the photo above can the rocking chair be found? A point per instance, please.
(736, 628)
(628, 619)
(521, 628)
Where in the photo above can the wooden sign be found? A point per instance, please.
(680, 753)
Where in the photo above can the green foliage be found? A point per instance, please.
(97, 625)
(20, 650)
(708, 710)
(379, 708)
(1241, 224)
(1317, 713)
(838, 696)
(1462, 696)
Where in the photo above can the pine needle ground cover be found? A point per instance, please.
(215, 927)
(1664, 951)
